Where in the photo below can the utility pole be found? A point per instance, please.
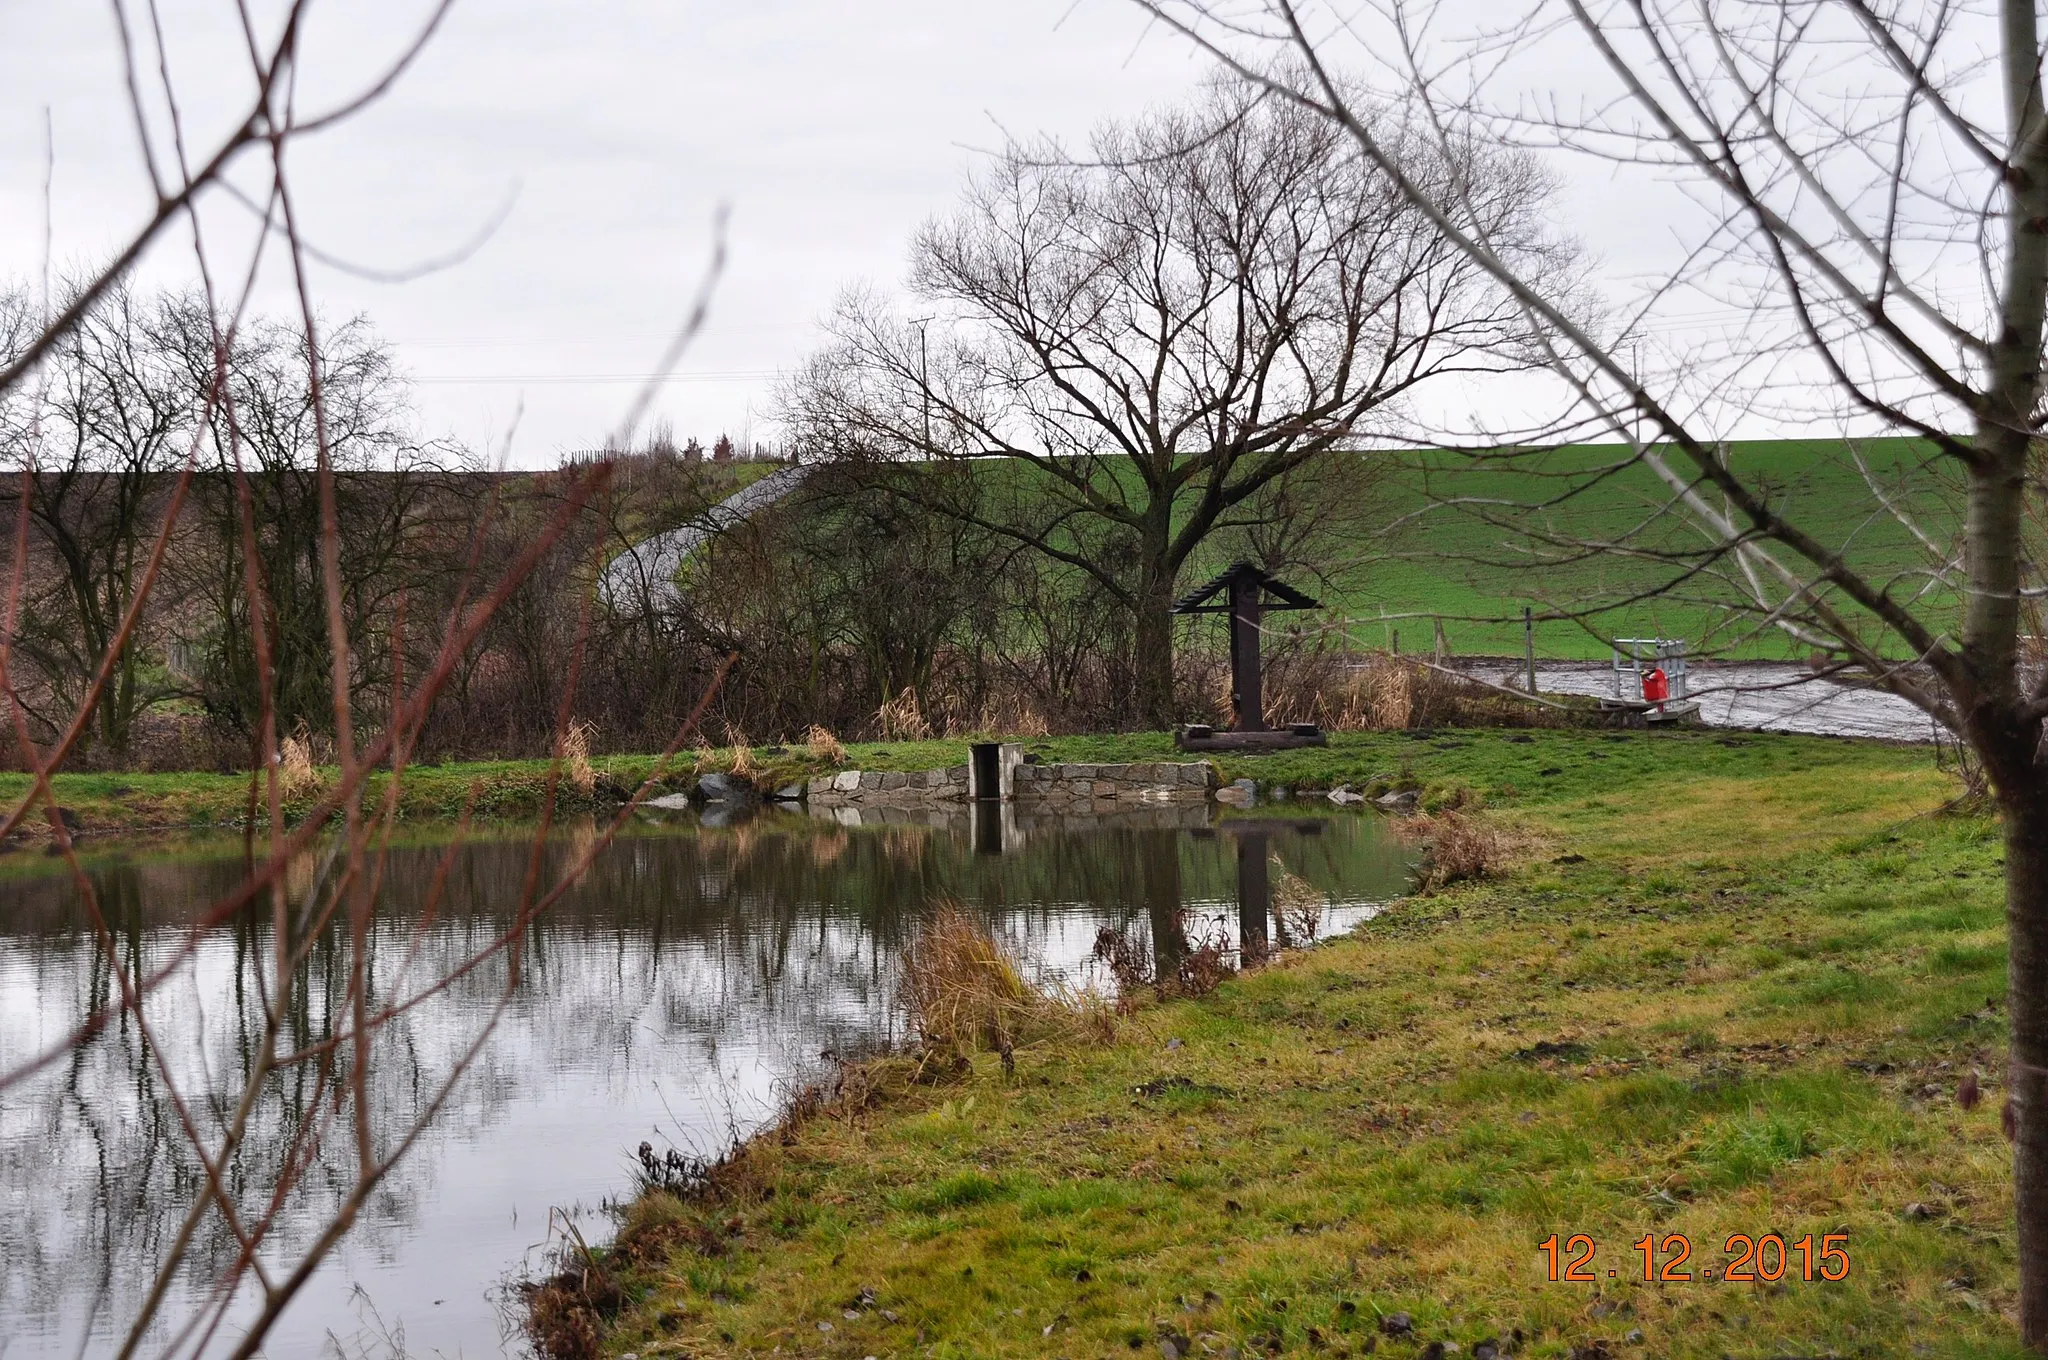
(924, 378)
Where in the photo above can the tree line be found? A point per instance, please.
(1140, 364)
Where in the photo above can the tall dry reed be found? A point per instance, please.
(965, 991)
(822, 746)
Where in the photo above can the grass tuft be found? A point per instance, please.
(1458, 847)
(965, 992)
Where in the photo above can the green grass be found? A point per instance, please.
(1730, 989)
(1459, 562)
(491, 790)
(1575, 774)
(1463, 540)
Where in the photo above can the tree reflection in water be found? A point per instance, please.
(691, 969)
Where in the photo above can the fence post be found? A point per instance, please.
(1529, 643)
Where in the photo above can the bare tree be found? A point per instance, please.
(97, 456)
(1867, 188)
(1159, 331)
(391, 496)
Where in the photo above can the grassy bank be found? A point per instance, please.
(1731, 990)
(1465, 560)
(1505, 766)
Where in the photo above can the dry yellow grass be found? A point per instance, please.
(297, 776)
(1458, 847)
(965, 992)
(901, 719)
(822, 746)
(576, 766)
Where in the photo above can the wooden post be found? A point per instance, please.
(1246, 612)
(1529, 643)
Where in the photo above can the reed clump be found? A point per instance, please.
(740, 762)
(576, 766)
(902, 718)
(297, 776)
(1377, 692)
(822, 746)
(964, 991)
(1458, 847)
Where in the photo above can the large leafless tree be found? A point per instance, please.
(1865, 185)
(1157, 331)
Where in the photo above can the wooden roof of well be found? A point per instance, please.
(1279, 594)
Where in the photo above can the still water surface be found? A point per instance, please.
(688, 979)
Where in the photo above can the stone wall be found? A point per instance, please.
(893, 788)
(1074, 786)
(1146, 782)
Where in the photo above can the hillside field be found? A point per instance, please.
(1470, 546)
(1395, 542)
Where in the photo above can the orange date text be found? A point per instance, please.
(1764, 1258)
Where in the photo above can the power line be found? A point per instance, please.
(596, 379)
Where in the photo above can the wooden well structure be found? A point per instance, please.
(1247, 593)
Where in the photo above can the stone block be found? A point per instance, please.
(846, 781)
(725, 788)
(871, 780)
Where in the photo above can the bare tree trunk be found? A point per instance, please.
(1152, 653)
(2026, 909)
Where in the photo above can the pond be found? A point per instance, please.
(671, 996)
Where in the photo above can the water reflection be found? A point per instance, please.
(693, 969)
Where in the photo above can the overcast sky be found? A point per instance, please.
(831, 128)
(614, 131)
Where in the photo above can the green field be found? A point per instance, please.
(1403, 540)
(1478, 557)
